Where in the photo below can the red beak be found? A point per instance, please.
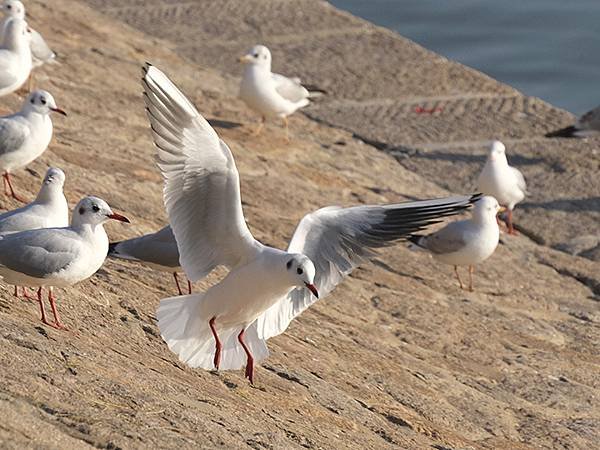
(119, 217)
(313, 289)
(58, 110)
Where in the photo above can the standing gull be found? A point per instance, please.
(501, 181)
(157, 250)
(265, 287)
(15, 56)
(465, 242)
(41, 53)
(25, 135)
(48, 210)
(58, 257)
(586, 126)
(271, 94)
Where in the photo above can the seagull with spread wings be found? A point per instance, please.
(228, 325)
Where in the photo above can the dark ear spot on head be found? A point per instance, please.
(81, 210)
(32, 100)
(289, 263)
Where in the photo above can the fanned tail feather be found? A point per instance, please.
(187, 333)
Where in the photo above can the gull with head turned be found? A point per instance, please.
(265, 288)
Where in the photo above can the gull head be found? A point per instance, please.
(301, 271)
(259, 55)
(13, 8)
(486, 208)
(42, 102)
(497, 151)
(94, 211)
(54, 177)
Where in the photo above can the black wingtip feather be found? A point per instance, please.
(112, 248)
(567, 132)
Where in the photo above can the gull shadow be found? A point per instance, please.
(514, 160)
(226, 124)
(570, 205)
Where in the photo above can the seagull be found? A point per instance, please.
(501, 181)
(41, 53)
(157, 250)
(465, 242)
(58, 257)
(271, 94)
(48, 210)
(15, 56)
(586, 126)
(266, 287)
(25, 135)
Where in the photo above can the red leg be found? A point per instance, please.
(43, 311)
(218, 344)
(6, 191)
(189, 286)
(250, 363)
(177, 283)
(57, 323)
(26, 293)
(6, 176)
(509, 223)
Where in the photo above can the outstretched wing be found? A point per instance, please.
(202, 187)
(337, 240)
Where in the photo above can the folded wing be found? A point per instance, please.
(337, 240)
(202, 188)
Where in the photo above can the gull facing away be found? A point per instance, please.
(25, 135)
(48, 210)
(58, 257)
(15, 56)
(271, 94)
(265, 287)
(465, 242)
(156, 250)
(41, 53)
(587, 125)
(501, 181)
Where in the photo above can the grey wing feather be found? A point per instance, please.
(337, 240)
(39, 49)
(521, 184)
(158, 248)
(38, 253)
(449, 239)
(290, 88)
(12, 135)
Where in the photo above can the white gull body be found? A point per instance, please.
(501, 181)
(265, 287)
(48, 210)
(15, 56)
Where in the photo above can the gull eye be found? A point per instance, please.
(299, 271)
(255, 55)
(95, 208)
(8, 7)
(43, 100)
